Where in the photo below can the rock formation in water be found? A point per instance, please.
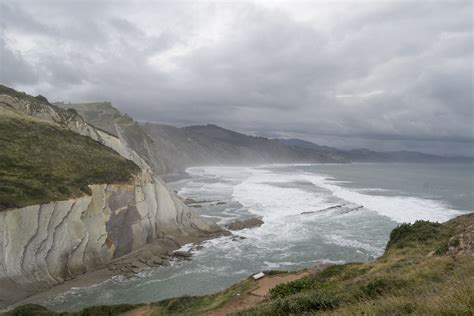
(243, 224)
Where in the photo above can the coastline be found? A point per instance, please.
(165, 249)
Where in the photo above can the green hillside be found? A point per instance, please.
(42, 162)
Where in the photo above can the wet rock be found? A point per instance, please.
(138, 264)
(248, 223)
(182, 254)
(237, 238)
(136, 270)
(156, 260)
(190, 201)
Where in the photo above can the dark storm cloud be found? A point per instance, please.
(384, 75)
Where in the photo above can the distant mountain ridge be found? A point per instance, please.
(170, 150)
(367, 155)
(211, 144)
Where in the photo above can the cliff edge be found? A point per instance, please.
(52, 229)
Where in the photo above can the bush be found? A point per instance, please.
(420, 231)
(106, 310)
(297, 304)
(30, 309)
(290, 288)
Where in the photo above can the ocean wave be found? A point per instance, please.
(398, 208)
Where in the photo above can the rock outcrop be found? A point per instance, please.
(107, 118)
(44, 245)
(247, 223)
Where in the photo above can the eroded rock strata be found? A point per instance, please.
(47, 244)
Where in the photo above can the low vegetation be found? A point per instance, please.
(414, 276)
(418, 274)
(42, 162)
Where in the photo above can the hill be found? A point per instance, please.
(366, 155)
(106, 117)
(211, 144)
(427, 269)
(42, 161)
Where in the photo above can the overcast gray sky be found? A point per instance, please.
(386, 75)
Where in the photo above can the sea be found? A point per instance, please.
(312, 213)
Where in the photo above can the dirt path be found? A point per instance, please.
(245, 300)
(252, 298)
(265, 284)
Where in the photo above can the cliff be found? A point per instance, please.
(93, 220)
(104, 116)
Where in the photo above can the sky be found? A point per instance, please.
(384, 75)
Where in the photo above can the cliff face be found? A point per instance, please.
(43, 245)
(105, 117)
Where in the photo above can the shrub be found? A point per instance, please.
(30, 309)
(314, 300)
(420, 231)
(106, 310)
(290, 288)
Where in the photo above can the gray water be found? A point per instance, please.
(312, 214)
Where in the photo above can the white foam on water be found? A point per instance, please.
(398, 208)
(285, 231)
(341, 241)
(281, 207)
(273, 202)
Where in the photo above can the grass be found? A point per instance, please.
(195, 305)
(412, 277)
(42, 162)
(38, 310)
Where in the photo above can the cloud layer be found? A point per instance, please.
(385, 75)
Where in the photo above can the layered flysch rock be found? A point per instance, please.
(43, 245)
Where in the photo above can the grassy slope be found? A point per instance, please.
(42, 162)
(416, 275)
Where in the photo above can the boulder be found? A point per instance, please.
(138, 264)
(156, 260)
(182, 254)
(248, 223)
